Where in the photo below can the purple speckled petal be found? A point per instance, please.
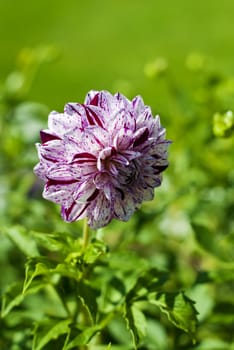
(46, 136)
(52, 151)
(63, 172)
(75, 211)
(138, 104)
(124, 207)
(60, 123)
(84, 191)
(60, 193)
(100, 212)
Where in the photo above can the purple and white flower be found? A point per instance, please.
(103, 158)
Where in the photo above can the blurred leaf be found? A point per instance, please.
(136, 323)
(20, 236)
(14, 295)
(214, 344)
(156, 68)
(205, 299)
(11, 298)
(221, 247)
(89, 295)
(179, 309)
(27, 119)
(49, 330)
(223, 124)
(94, 250)
(156, 335)
(60, 242)
(222, 275)
(116, 327)
(83, 338)
(149, 281)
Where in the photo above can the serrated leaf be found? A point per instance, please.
(22, 239)
(35, 267)
(49, 330)
(179, 309)
(149, 281)
(136, 323)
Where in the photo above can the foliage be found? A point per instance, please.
(164, 280)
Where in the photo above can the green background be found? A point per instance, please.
(103, 43)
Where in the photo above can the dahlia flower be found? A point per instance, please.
(102, 159)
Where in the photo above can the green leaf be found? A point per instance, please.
(42, 266)
(222, 247)
(88, 296)
(67, 270)
(54, 241)
(136, 323)
(49, 330)
(223, 124)
(11, 298)
(222, 275)
(37, 266)
(22, 239)
(14, 295)
(83, 338)
(94, 250)
(179, 309)
(149, 281)
(214, 344)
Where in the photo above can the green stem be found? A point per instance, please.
(85, 234)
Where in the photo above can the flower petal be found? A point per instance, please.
(124, 207)
(60, 193)
(100, 212)
(76, 211)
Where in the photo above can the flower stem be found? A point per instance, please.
(85, 234)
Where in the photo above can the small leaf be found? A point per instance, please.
(179, 309)
(136, 323)
(49, 330)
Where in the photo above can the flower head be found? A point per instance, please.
(103, 158)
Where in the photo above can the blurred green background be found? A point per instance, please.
(105, 44)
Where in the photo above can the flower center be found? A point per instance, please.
(105, 161)
(129, 174)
